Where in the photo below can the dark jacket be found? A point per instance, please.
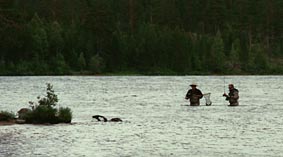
(233, 97)
(194, 96)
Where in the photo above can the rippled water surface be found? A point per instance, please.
(157, 119)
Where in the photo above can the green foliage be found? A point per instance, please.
(96, 64)
(217, 57)
(2, 66)
(234, 64)
(42, 114)
(65, 115)
(59, 65)
(51, 98)
(6, 116)
(39, 41)
(56, 41)
(175, 36)
(258, 62)
(45, 111)
(81, 61)
(261, 62)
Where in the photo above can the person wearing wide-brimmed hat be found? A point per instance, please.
(194, 95)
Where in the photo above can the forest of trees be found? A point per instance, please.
(55, 37)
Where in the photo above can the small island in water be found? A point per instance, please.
(42, 112)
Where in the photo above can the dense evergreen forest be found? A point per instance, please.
(55, 37)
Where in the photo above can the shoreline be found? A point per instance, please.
(5, 123)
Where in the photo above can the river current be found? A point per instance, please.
(157, 120)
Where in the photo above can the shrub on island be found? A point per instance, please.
(7, 116)
(45, 110)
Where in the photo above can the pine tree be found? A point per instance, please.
(59, 65)
(38, 45)
(39, 42)
(217, 61)
(56, 41)
(216, 11)
(82, 62)
(96, 64)
(234, 56)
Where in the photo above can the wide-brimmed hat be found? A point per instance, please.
(193, 84)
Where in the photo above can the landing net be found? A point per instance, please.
(207, 99)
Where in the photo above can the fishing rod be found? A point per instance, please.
(224, 85)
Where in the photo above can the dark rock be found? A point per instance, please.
(102, 118)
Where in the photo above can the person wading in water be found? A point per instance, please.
(233, 95)
(194, 95)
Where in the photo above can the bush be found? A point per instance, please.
(65, 115)
(42, 114)
(6, 116)
(45, 111)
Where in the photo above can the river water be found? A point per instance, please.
(157, 121)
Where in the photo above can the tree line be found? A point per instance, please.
(55, 37)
